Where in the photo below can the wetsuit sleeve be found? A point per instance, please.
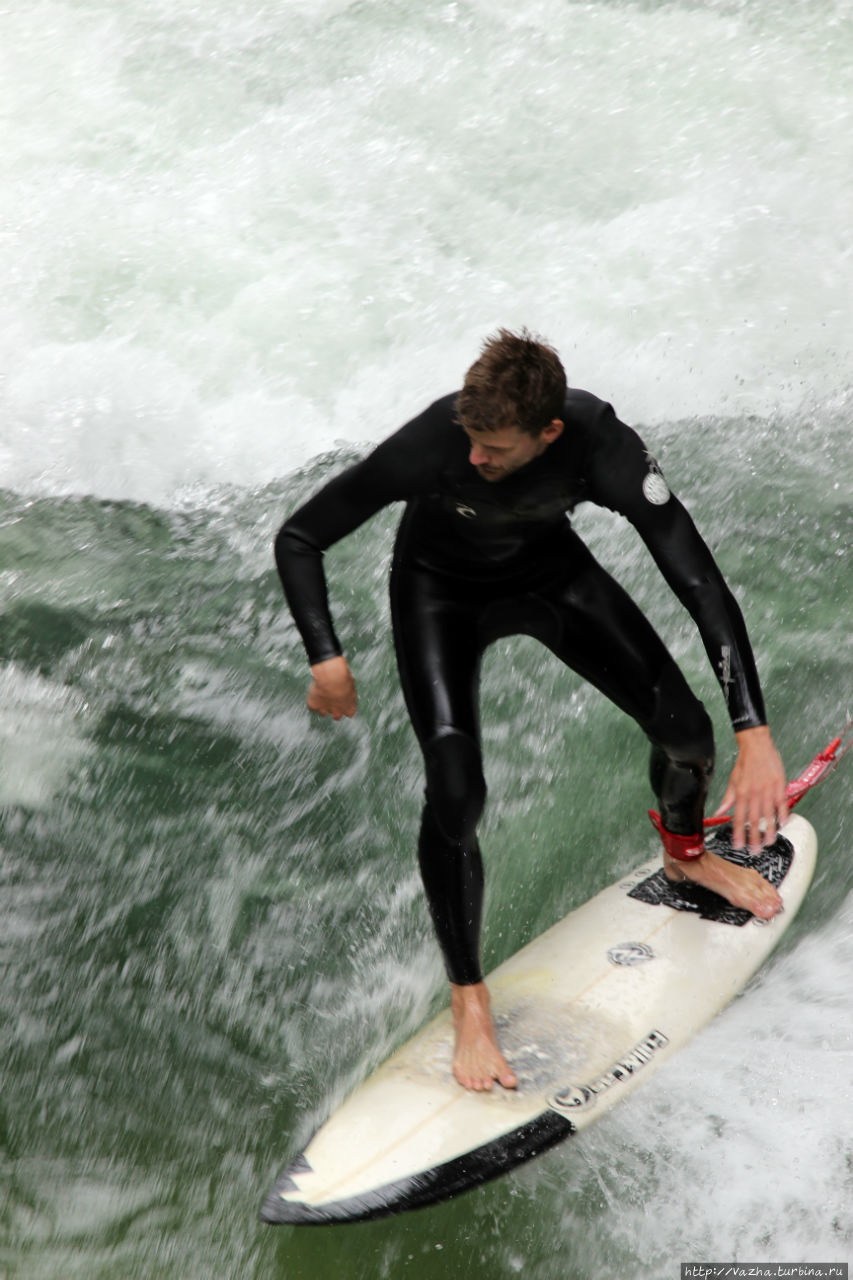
(626, 478)
(396, 470)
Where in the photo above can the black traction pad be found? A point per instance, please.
(773, 863)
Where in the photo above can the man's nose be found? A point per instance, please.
(478, 456)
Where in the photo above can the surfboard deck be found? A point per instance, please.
(585, 1013)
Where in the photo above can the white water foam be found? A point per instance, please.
(235, 235)
(42, 737)
(741, 1145)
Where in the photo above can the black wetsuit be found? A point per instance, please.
(477, 560)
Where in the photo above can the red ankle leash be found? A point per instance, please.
(682, 848)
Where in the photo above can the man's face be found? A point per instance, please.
(496, 454)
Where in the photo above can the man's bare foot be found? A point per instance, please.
(477, 1059)
(741, 886)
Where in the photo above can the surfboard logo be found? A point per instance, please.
(655, 487)
(630, 953)
(577, 1097)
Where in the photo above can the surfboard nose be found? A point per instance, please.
(283, 1205)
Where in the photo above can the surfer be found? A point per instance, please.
(485, 549)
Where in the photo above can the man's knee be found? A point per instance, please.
(680, 725)
(455, 786)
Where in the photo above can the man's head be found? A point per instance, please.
(511, 402)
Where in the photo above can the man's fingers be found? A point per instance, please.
(757, 822)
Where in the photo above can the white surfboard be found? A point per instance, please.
(585, 1013)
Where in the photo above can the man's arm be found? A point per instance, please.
(338, 509)
(632, 484)
(396, 470)
(335, 511)
(756, 790)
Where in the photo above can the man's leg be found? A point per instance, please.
(438, 654)
(593, 626)
(448, 850)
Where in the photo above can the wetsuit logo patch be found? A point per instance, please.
(467, 512)
(655, 487)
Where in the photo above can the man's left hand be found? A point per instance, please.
(756, 792)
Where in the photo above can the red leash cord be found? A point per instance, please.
(819, 768)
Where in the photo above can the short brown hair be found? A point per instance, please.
(517, 380)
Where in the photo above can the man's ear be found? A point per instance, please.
(552, 431)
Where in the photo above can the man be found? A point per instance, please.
(485, 549)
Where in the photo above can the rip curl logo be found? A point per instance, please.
(467, 512)
(655, 487)
(578, 1097)
(630, 953)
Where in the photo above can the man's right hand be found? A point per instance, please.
(332, 691)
